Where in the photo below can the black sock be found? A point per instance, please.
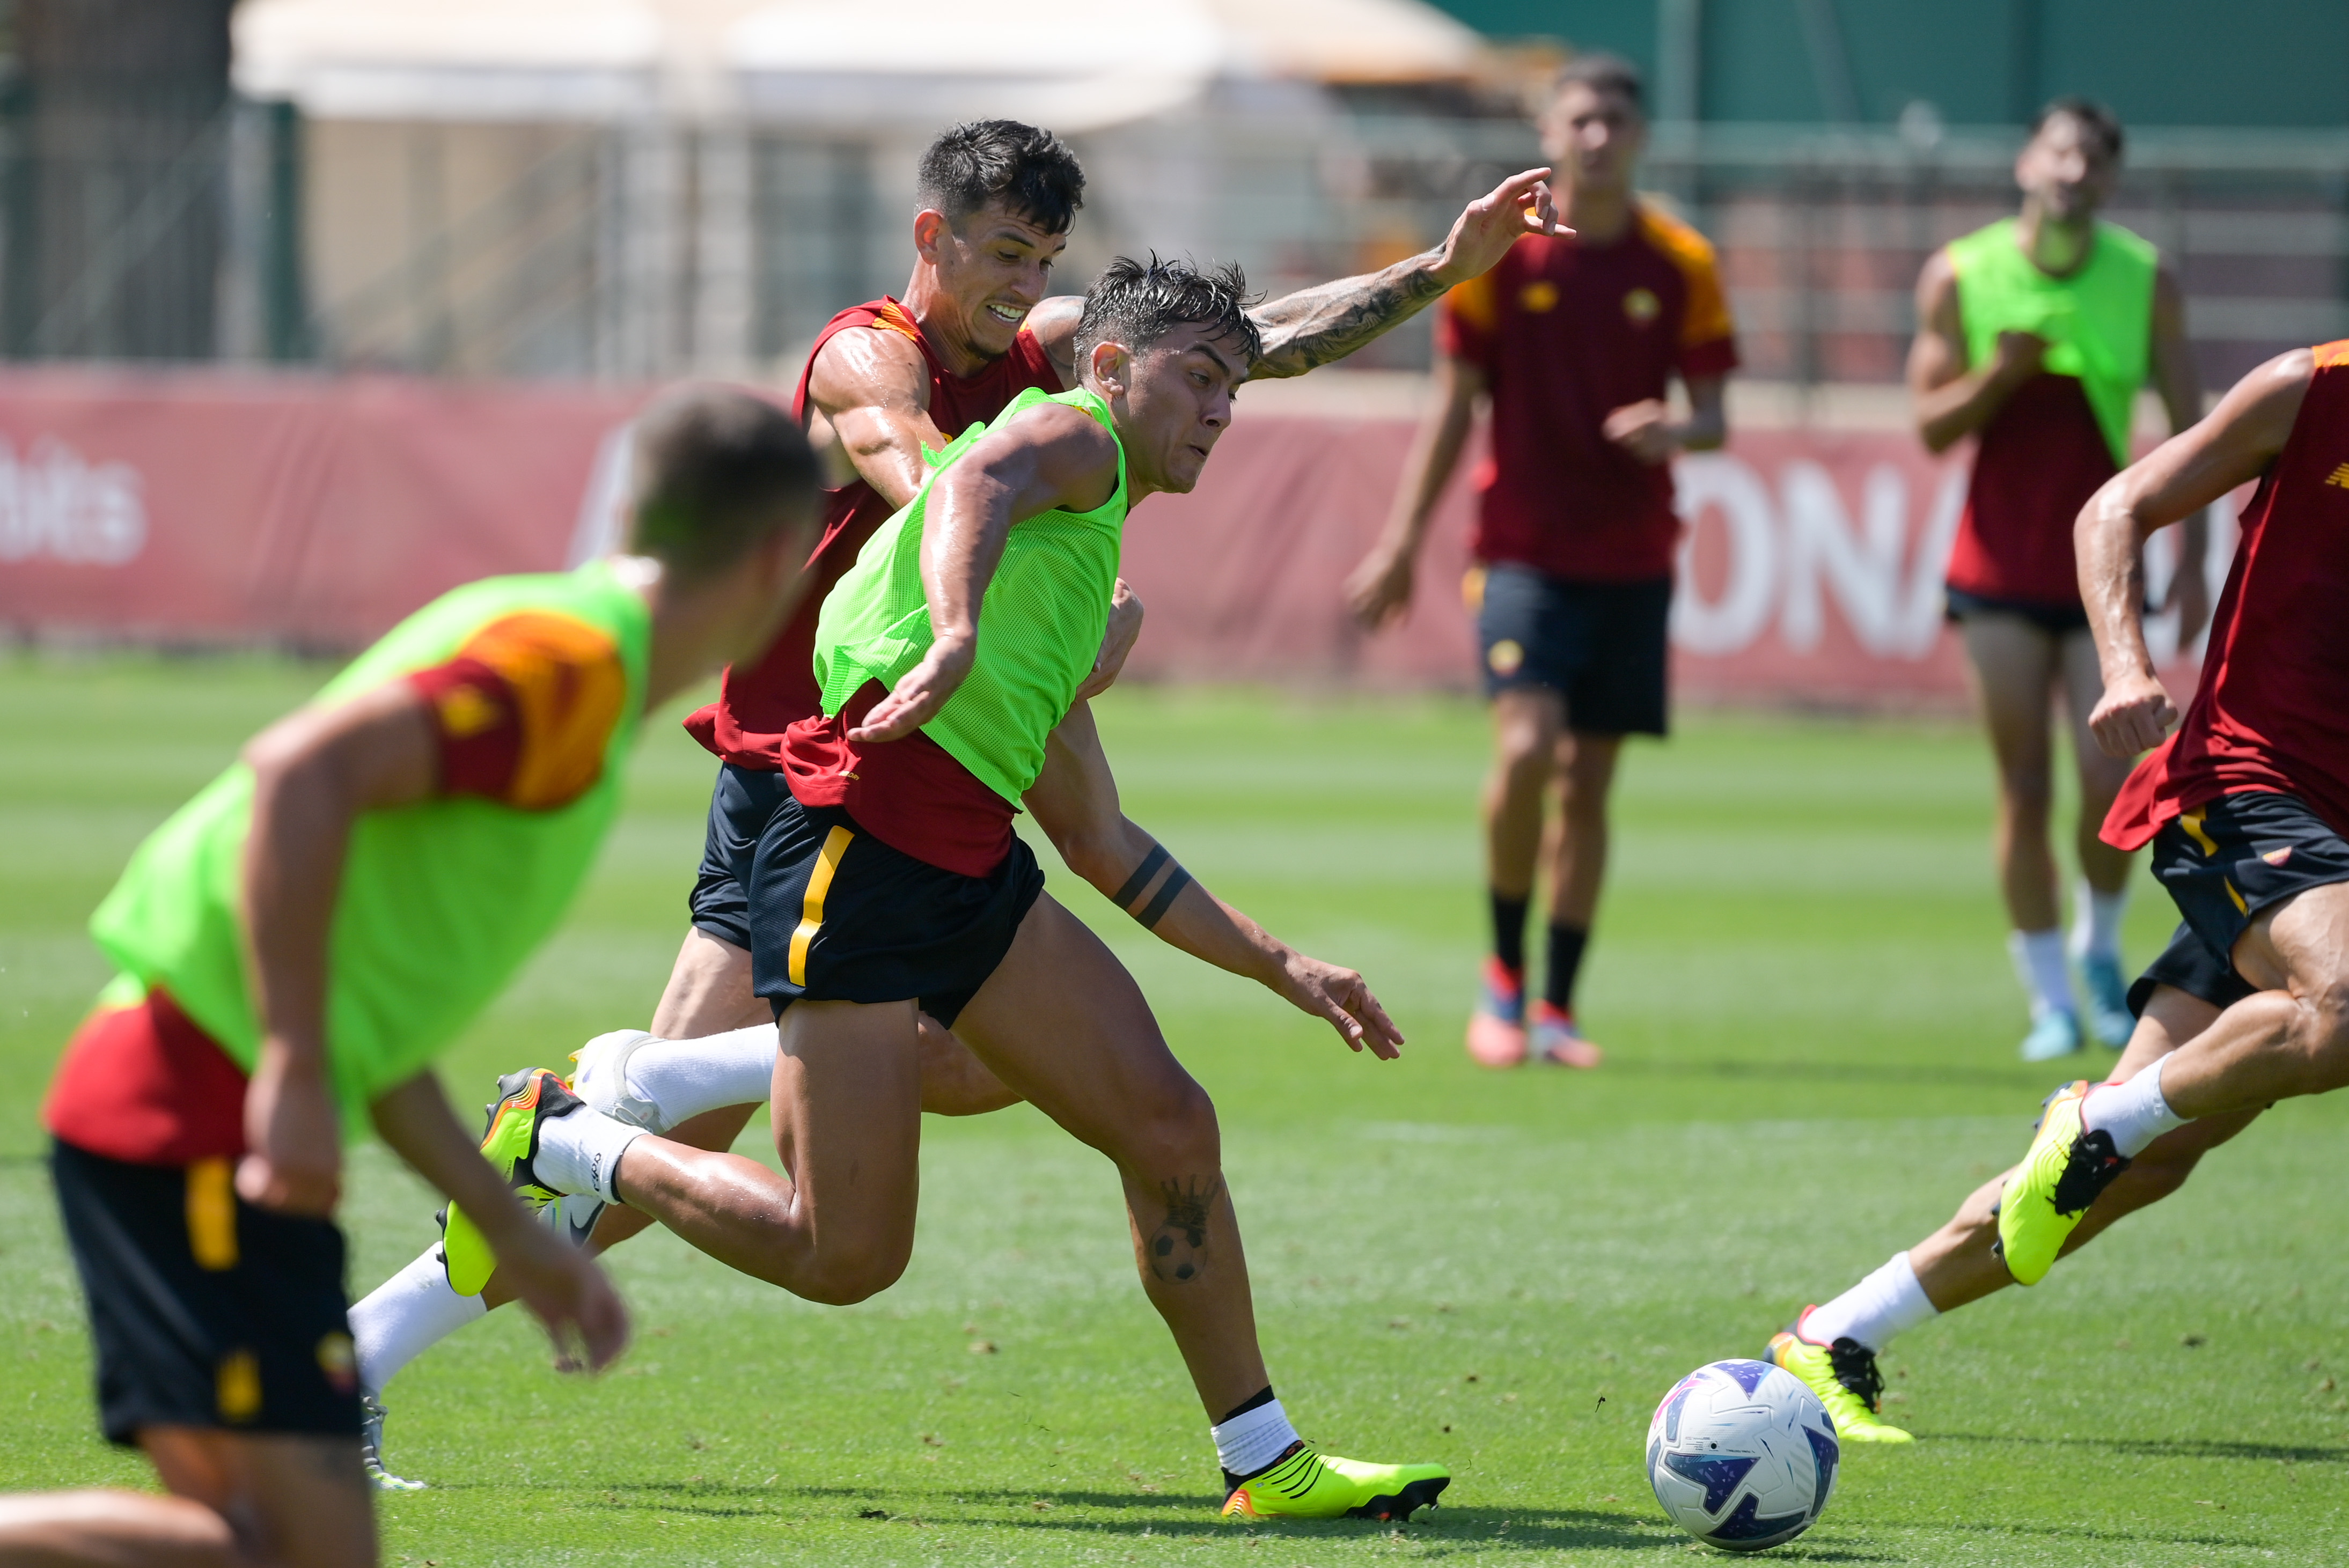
(1566, 945)
(1509, 932)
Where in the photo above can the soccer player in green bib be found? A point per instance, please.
(949, 656)
(297, 944)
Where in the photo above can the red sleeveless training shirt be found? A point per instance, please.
(2272, 710)
(756, 703)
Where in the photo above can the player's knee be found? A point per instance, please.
(842, 1276)
(2322, 1031)
(1179, 1136)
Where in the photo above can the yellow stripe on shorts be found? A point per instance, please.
(2192, 822)
(211, 1214)
(827, 861)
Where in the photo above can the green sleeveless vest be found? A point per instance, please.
(440, 901)
(1039, 625)
(2098, 322)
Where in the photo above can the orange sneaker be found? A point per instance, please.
(1557, 1041)
(1496, 1029)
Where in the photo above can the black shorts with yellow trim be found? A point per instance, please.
(836, 915)
(2228, 859)
(738, 814)
(206, 1311)
(1602, 646)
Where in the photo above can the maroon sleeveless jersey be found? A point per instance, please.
(2039, 459)
(757, 702)
(2272, 710)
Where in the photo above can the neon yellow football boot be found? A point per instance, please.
(1843, 1376)
(525, 1099)
(2043, 1201)
(1303, 1483)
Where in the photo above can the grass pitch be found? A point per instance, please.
(1799, 979)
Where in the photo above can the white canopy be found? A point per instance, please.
(851, 64)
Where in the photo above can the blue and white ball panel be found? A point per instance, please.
(1743, 1456)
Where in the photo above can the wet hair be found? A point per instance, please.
(1030, 171)
(719, 472)
(1601, 73)
(1138, 303)
(2094, 117)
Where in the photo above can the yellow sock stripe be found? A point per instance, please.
(211, 1214)
(827, 861)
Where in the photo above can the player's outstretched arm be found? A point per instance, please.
(2232, 446)
(562, 1287)
(1315, 326)
(314, 772)
(1074, 801)
(1051, 457)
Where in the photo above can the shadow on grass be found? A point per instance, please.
(2166, 1448)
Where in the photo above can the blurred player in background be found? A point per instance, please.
(2035, 336)
(895, 380)
(296, 944)
(1573, 342)
(2247, 809)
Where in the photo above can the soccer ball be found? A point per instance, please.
(1743, 1456)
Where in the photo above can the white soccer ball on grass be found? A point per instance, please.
(1743, 1456)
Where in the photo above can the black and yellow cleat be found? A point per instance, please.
(1304, 1483)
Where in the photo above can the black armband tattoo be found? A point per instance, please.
(1124, 897)
(1176, 881)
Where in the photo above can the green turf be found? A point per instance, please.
(1811, 1025)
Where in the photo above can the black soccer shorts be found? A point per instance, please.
(1600, 646)
(832, 914)
(206, 1311)
(2228, 859)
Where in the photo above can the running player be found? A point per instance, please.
(893, 379)
(299, 942)
(2035, 336)
(1573, 341)
(2248, 834)
(887, 875)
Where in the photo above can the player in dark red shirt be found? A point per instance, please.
(2247, 808)
(1574, 343)
(2024, 326)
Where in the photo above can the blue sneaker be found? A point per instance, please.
(2109, 1018)
(2056, 1032)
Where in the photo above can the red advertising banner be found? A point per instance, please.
(213, 508)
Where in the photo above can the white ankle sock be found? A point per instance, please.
(2039, 964)
(580, 1152)
(2133, 1113)
(1253, 1439)
(1886, 1303)
(2096, 922)
(405, 1315)
(685, 1078)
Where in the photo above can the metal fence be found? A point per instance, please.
(649, 249)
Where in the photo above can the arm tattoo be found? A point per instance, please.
(1314, 326)
(1177, 879)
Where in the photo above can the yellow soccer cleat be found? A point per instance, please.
(2043, 1201)
(1843, 1376)
(525, 1099)
(1302, 1483)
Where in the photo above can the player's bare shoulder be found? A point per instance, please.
(868, 368)
(1052, 323)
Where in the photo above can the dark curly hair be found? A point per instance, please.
(1138, 303)
(1030, 171)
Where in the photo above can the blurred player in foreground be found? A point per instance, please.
(2034, 335)
(2247, 809)
(1574, 342)
(887, 882)
(299, 942)
(892, 378)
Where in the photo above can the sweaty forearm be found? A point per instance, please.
(968, 520)
(1315, 326)
(2108, 541)
(1160, 896)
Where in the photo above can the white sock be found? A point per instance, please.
(2039, 964)
(580, 1152)
(2096, 922)
(685, 1078)
(407, 1315)
(1886, 1303)
(2133, 1113)
(1253, 1439)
